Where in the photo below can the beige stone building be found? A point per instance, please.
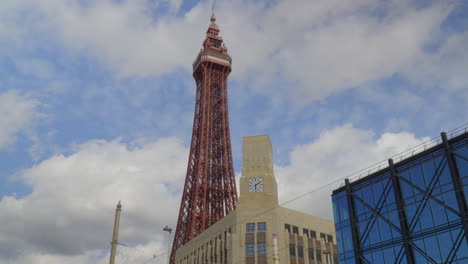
(247, 234)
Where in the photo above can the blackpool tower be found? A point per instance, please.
(210, 188)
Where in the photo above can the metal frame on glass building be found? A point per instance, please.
(412, 210)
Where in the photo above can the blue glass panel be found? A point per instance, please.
(368, 257)
(368, 196)
(462, 252)
(357, 205)
(362, 228)
(403, 258)
(374, 234)
(406, 189)
(344, 210)
(445, 243)
(389, 254)
(336, 211)
(339, 240)
(410, 211)
(417, 256)
(451, 200)
(347, 239)
(378, 191)
(417, 177)
(385, 231)
(425, 217)
(432, 248)
(439, 213)
(444, 172)
(351, 261)
(429, 170)
(378, 257)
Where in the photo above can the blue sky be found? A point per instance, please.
(97, 98)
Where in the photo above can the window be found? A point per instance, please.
(250, 249)
(295, 230)
(319, 255)
(322, 236)
(250, 227)
(300, 252)
(261, 227)
(292, 250)
(311, 254)
(261, 249)
(313, 234)
(305, 232)
(330, 238)
(288, 227)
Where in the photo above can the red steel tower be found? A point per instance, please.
(210, 188)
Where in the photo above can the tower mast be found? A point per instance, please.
(115, 234)
(210, 188)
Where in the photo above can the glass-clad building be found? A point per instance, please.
(412, 211)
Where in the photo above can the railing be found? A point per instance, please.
(407, 153)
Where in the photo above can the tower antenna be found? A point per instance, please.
(213, 7)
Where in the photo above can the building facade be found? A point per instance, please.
(246, 235)
(413, 211)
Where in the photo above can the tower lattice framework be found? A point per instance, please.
(210, 188)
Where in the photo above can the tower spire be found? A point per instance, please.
(210, 188)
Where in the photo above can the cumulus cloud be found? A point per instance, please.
(316, 48)
(17, 113)
(334, 155)
(68, 216)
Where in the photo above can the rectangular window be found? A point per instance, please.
(250, 249)
(305, 232)
(292, 250)
(261, 227)
(319, 255)
(322, 236)
(250, 227)
(329, 238)
(287, 227)
(295, 230)
(310, 251)
(300, 252)
(313, 234)
(261, 249)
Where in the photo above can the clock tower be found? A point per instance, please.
(258, 182)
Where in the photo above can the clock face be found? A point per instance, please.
(256, 185)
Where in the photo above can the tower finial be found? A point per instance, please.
(213, 17)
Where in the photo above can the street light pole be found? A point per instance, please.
(115, 234)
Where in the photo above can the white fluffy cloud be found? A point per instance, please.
(336, 154)
(68, 216)
(17, 112)
(317, 47)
